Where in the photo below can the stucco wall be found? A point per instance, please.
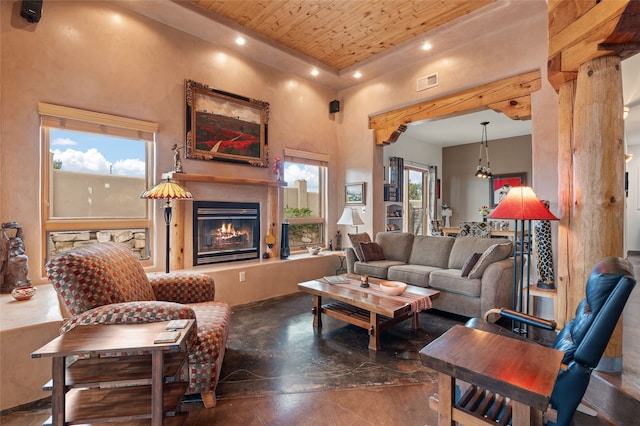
(101, 57)
(464, 192)
(492, 51)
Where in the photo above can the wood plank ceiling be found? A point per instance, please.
(341, 33)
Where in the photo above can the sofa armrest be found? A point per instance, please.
(130, 313)
(183, 287)
(497, 285)
(351, 259)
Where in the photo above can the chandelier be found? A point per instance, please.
(481, 171)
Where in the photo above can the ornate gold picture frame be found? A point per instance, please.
(226, 127)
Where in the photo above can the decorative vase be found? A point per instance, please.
(544, 251)
(284, 243)
(23, 293)
(484, 219)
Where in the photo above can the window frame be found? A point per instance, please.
(321, 161)
(61, 117)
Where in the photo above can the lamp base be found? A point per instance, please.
(546, 285)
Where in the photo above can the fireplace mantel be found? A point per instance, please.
(272, 213)
(187, 177)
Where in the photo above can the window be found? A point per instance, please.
(305, 197)
(94, 168)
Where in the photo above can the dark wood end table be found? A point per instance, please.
(523, 371)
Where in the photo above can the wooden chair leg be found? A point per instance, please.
(209, 399)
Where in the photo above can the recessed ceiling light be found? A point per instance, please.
(357, 74)
(426, 46)
(240, 40)
(315, 72)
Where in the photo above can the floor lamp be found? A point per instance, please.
(167, 190)
(522, 205)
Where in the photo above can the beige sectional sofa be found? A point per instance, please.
(439, 262)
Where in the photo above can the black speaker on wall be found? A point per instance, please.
(31, 10)
(334, 106)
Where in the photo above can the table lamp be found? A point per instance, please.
(522, 205)
(167, 190)
(350, 217)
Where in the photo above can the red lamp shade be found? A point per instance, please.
(522, 203)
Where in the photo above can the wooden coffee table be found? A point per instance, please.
(354, 305)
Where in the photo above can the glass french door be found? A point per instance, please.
(420, 198)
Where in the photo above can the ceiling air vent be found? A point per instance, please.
(427, 82)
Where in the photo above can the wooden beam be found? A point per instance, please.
(498, 93)
(585, 30)
(516, 109)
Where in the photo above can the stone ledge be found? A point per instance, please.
(24, 327)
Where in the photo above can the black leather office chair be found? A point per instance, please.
(584, 338)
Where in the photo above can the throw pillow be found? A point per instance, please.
(470, 263)
(356, 239)
(371, 251)
(492, 254)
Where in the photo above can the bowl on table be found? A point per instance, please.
(314, 250)
(393, 288)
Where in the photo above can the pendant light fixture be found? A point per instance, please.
(481, 171)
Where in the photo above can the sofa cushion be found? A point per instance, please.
(431, 251)
(376, 268)
(463, 247)
(371, 251)
(356, 239)
(492, 254)
(411, 274)
(395, 245)
(470, 263)
(451, 280)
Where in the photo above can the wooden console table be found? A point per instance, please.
(496, 233)
(97, 389)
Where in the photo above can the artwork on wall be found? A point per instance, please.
(499, 185)
(354, 194)
(225, 127)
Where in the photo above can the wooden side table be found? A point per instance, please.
(534, 292)
(127, 387)
(342, 269)
(522, 371)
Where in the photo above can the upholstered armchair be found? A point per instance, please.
(105, 283)
(584, 338)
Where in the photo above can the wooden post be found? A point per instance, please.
(176, 255)
(595, 219)
(565, 195)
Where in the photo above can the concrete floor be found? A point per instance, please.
(280, 371)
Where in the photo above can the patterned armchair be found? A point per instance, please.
(475, 229)
(105, 284)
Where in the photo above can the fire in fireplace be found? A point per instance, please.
(225, 231)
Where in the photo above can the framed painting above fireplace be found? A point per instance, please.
(226, 127)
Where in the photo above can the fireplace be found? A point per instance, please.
(225, 231)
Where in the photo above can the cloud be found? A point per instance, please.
(91, 161)
(296, 172)
(63, 141)
(130, 166)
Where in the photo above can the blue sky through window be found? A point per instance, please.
(93, 153)
(297, 171)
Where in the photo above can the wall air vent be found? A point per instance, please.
(427, 82)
